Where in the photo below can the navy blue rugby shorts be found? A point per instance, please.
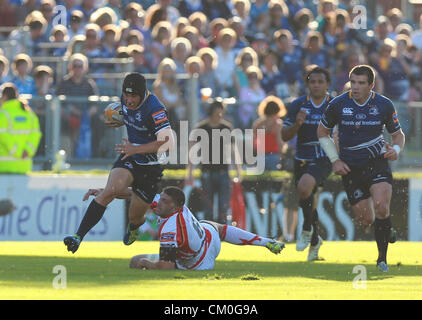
(320, 169)
(146, 177)
(360, 179)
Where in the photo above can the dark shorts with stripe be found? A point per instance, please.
(320, 169)
(360, 179)
(146, 178)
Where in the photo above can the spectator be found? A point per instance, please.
(181, 23)
(200, 22)
(60, 38)
(261, 26)
(75, 83)
(315, 52)
(325, 7)
(87, 7)
(216, 25)
(270, 112)
(19, 132)
(26, 8)
(294, 6)
(76, 45)
(194, 67)
(187, 7)
(273, 81)
(226, 62)
(4, 70)
(168, 91)
(215, 177)
(301, 25)
(351, 60)
(404, 28)
(110, 40)
(245, 58)
(260, 44)
(135, 37)
(140, 64)
(236, 24)
(382, 30)
(172, 13)
(395, 16)
(37, 26)
(46, 8)
(290, 62)
(161, 35)
(216, 9)
(192, 34)
(76, 26)
(22, 67)
(154, 15)
(258, 8)
(249, 97)
(416, 36)
(180, 50)
(7, 17)
(279, 13)
(104, 16)
(241, 9)
(44, 78)
(208, 79)
(115, 5)
(395, 73)
(92, 47)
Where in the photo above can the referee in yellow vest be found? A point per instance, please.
(19, 132)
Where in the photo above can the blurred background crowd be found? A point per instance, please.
(243, 49)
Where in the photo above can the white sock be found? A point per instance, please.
(241, 237)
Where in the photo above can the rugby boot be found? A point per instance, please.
(304, 239)
(72, 242)
(275, 246)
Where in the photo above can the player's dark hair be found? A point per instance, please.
(320, 70)
(216, 104)
(176, 194)
(364, 70)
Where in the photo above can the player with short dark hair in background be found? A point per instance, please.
(138, 166)
(362, 160)
(312, 167)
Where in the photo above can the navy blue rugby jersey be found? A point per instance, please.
(143, 124)
(307, 145)
(361, 127)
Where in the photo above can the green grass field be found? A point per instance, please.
(99, 270)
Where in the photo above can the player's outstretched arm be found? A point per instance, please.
(140, 262)
(126, 195)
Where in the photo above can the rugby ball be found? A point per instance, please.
(113, 113)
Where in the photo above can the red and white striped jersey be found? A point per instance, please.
(183, 231)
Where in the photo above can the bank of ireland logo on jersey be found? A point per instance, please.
(138, 117)
(347, 111)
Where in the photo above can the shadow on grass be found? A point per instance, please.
(38, 271)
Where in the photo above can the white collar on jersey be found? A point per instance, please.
(318, 106)
(367, 100)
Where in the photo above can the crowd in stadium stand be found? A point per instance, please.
(240, 48)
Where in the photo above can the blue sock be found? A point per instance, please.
(306, 206)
